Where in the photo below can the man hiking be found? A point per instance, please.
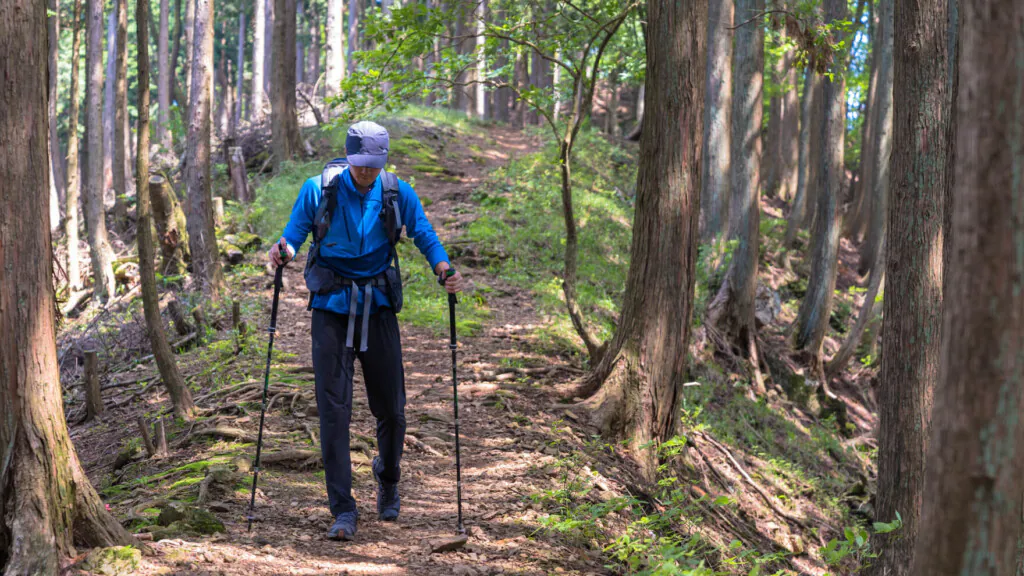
(356, 213)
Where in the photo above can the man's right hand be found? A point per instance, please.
(281, 253)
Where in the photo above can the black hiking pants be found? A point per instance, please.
(334, 366)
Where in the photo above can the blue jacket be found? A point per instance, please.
(356, 245)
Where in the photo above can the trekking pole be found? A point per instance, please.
(453, 345)
(266, 386)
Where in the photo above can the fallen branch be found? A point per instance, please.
(301, 458)
(417, 443)
(767, 498)
(227, 432)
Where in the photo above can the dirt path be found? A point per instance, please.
(505, 448)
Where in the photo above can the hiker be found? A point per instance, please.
(356, 213)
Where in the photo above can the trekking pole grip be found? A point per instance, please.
(442, 278)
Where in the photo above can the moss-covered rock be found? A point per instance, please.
(113, 561)
(175, 530)
(204, 522)
(170, 513)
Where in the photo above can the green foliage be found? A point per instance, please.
(520, 233)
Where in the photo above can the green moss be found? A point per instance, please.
(428, 168)
(113, 561)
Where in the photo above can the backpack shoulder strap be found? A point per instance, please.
(390, 211)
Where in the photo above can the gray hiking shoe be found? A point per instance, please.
(389, 503)
(344, 527)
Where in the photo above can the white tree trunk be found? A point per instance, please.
(335, 45)
(163, 82)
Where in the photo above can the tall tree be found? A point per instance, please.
(202, 239)
(353, 33)
(970, 516)
(240, 71)
(99, 247)
(300, 45)
(856, 220)
(335, 46)
(259, 40)
(286, 140)
(179, 392)
(714, 198)
(109, 100)
(644, 369)
(790, 153)
(268, 46)
(913, 263)
(481, 16)
(816, 307)
(733, 309)
(798, 209)
(190, 17)
(313, 57)
(56, 159)
(163, 82)
(881, 147)
(47, 504)
(121, 158)
(179, 96)
(71, 198)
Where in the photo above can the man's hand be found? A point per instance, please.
(281, 253)
(453, 283)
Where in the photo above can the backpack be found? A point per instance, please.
(323, 280)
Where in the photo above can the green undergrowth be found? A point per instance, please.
(519, 234)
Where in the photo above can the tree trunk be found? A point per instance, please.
(268, 45)
(240, 66)
(239, 181)
(73, 268)
(735, 301)
(482, 14)
(284, 120)
(913, 257)
(206, 266)
(121, 119)
(300, 47)
(313, 58)
(790, 131)
(171, 226)
(881, 147)
(99, 247)
(461, 100)
(259, 41)
(181, 396)
(163, 81)
(224, 104)
(47, 504)
(644, 372)
(502, 96)
(772, 158)
(335, 46)
(868, 311)
(56, 158)
(109, 102)
(970, 514)
(798, 210)
(860, 213)
(814, 152)
(812, 318)
(190, 17)
(353, 33)
(714, 198)
(179, 96)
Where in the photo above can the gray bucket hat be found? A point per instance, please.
(367, 145)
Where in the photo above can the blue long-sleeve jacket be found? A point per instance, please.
(356, 245)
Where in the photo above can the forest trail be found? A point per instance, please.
(504, 436)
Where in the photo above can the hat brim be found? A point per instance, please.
(368, 160)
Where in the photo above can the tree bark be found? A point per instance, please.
(502, 96)
(181, 396)
(733, 309)
(812, 318)
(353, 33)
(73, 269)
(335, 46)
(714, 198)
(913, 262)
(798, 210)
(482, 14)
(163, 82)
(47, 504)
(239, 181)
(790, 131)
(644, 373)
(259, 42)
(970, 516)
(268, 54)
(882, 142)
(224, 103)
(240, 78)
(99, 247)
(171, 226)
(313, 57)
(56, 158)
(206, 266)
(860, 213)
(121, 119)
(108, 106)
(772, 158)
(286, 140)
(300, 47)
(190, 17)
(179, 96)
